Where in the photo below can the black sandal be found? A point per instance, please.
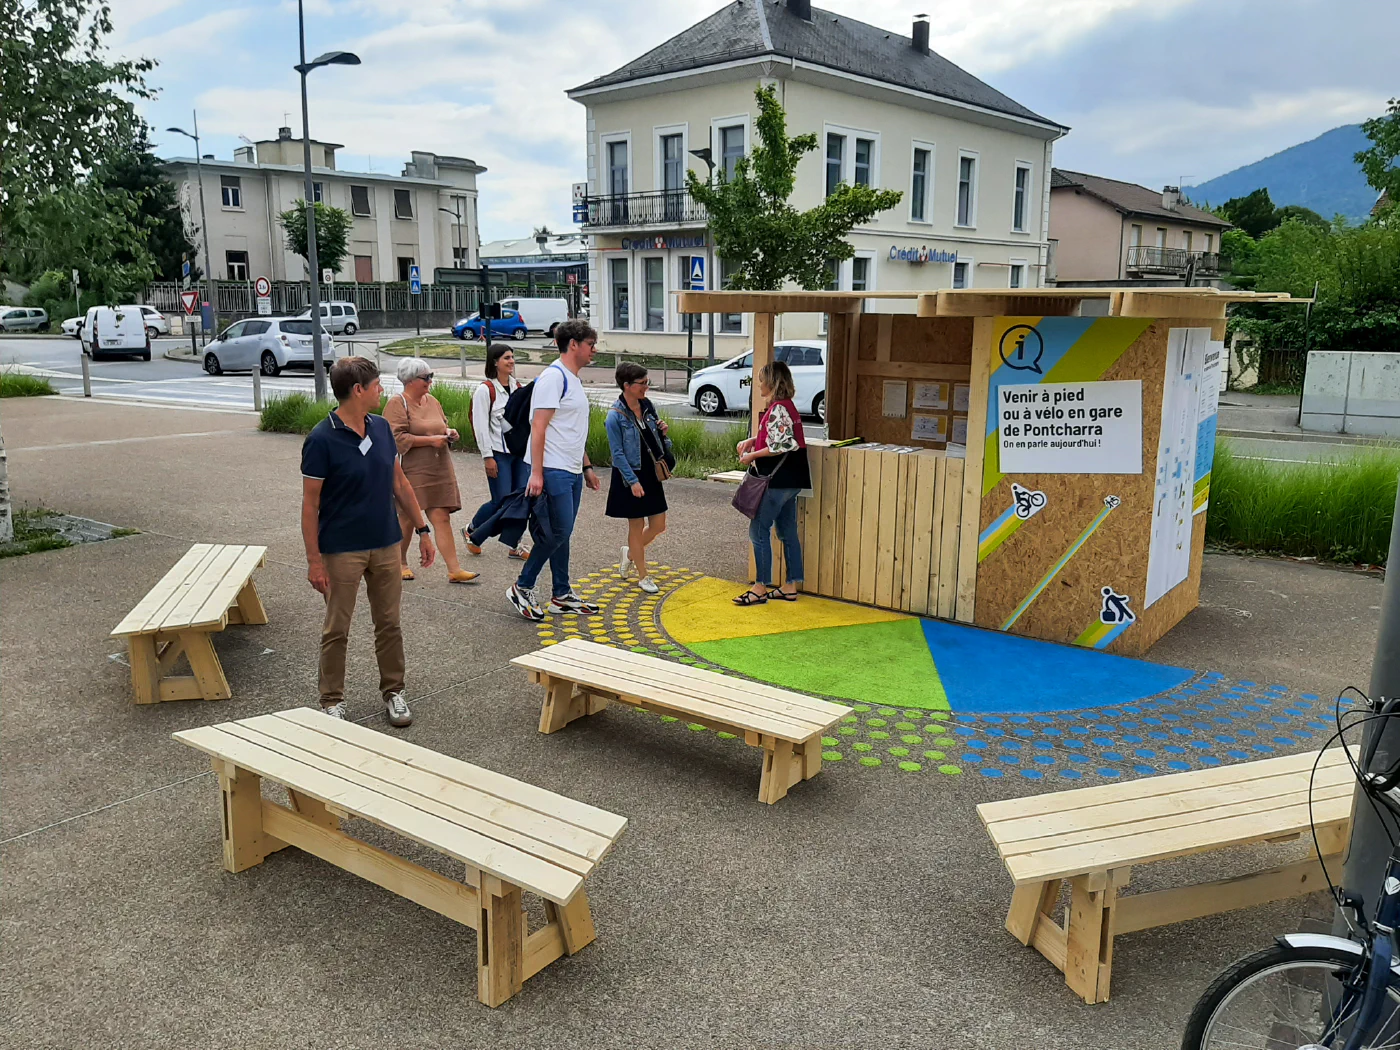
(782, 595)
(749, 598)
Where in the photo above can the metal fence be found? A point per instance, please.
(1282, 368)
(236, 298)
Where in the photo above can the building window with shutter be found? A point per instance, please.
(403, 204)
(232, 189)
(359, 200)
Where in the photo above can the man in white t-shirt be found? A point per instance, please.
(559, 468)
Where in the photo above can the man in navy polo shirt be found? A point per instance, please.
(350, 479)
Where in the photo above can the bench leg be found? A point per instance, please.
(245, 842)
(562, 705)
(314, 810)
(575, 921)
(145, 668)
(500, 941)
(782, 768)
(1089, 933)
(204, 662)
(1028, 904)
(250, 606)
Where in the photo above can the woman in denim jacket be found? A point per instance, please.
(637, 438)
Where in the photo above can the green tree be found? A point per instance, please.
(332, 233)
(1254, 213)
(1298, 213)
(1379, 162)
(138, 173)
(757, 232)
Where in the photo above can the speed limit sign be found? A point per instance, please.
(263, 287)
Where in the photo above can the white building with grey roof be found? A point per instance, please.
(888, 111)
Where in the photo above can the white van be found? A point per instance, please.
(115, 330)
(341, 318)
(539, 315)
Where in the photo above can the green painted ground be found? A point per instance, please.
(878, 663)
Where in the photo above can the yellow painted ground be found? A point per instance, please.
(702, 611)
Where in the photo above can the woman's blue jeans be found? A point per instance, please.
(779, 507)
(512, 475)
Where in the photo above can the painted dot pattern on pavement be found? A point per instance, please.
(1207, 721)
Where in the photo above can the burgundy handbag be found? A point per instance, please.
(752, 490)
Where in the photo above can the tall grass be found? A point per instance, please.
(18, 384)
(1335, 509)
(700, 450)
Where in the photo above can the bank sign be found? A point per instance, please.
(689, 240)
(924, 254)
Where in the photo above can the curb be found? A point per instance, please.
(175, 355)
(1361, 441)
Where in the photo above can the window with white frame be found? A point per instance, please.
(864, 162)
(921, 183)
(403, 204)
(670, 155)
(1020, 204)
(967, 189)
(731, 148)
(1186, 239)
(618, 292)
(835, 161)
(1135, 235)
(1210, 242)
(654, 278)
(231, 186)
(860, 274)
(962, 273)
(1017, 271)
(359, 200)
(731, 323)
(617, 179)
(318, 192)
(852, 157)
(1161, 236)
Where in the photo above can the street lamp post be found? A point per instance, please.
(707, 155)
(330, 58)
(208, 274)
(456, 211)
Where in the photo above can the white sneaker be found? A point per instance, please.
(646, 584)
(396, 707)
(624, 565)
(336, 710)
(525, 602)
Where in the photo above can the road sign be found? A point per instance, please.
(580, 202)
(263, 287)
(415, 280)
(75, 278)
(571, 278)
(189, 300)
(184, 266)
(264, 306)
(697, 273)
(327, 277)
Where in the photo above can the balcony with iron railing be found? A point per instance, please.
(1145, 259)
(657, 208)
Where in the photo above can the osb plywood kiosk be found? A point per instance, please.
(1036, 461)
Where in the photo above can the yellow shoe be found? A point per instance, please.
(408, 573)
(462, 576)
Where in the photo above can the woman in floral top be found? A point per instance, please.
(780, 453)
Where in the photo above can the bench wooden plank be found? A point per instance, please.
(164, 593)
(197, 589)
(1148, 787)
(550, 840)
(528, 796)
(225, 591)
(1031, 834)
(502, 861)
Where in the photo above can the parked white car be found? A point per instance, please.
(115, 330)
(73, 326)
(727, 387)
(340, 318)
(268, 344)
(539, 315)
(157, 324)
(22, 319)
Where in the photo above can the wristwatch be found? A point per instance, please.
(423, 530)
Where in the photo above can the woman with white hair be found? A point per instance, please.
(423, 439)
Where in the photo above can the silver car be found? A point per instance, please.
(22, 319)
(268, 344)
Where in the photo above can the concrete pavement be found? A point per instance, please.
(857, 912)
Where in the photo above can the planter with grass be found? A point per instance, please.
(17, 384)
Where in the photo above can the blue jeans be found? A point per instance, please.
(512, 474)
(779, 507)
(564, 489)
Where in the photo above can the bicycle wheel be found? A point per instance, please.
(1283, 998)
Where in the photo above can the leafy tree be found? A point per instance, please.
(1254, 212)
(138, 173)
(1298, 213)
(764, 238)
(1379, 162)
(332, 233)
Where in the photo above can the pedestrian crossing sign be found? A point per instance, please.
(697, 273)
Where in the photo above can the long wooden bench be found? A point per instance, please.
(1093, 838)
(511, 836)
(787, 726)
(208, 589)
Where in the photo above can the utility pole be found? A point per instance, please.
(207, 276)
(1369, 849)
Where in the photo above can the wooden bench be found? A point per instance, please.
(1093, 838)
(208, 589)
(511, 836)
(787, 726)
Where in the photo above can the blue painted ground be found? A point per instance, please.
(987, 672)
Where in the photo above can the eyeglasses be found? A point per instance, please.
(641, 382)
(427, 377)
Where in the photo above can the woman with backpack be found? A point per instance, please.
(505, 472)
(641, 462)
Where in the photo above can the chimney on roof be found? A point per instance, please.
(1171, 197)
(920, 41)
(801, 8)
(284, 133)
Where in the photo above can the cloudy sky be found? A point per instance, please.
(1154, 90)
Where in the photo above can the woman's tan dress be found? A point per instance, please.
(429, 470)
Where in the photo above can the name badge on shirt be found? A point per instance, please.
(366, 445)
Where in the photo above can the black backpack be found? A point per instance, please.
(517, 414)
